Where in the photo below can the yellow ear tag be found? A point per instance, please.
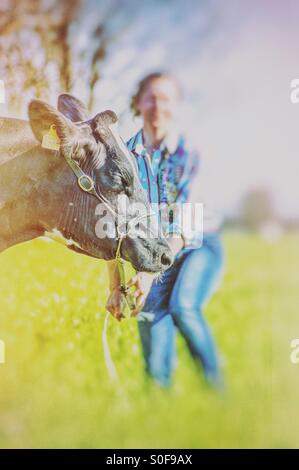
(51, 140)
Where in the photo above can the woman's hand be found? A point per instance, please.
(142, 283)
(115, 302)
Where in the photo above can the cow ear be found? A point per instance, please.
(106, 118)
(72, 108)
(42, 116)
(102, 121)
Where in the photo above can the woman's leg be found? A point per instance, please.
(157, 330)
(196, 280)
(158, 345)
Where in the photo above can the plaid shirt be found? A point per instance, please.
(167, 174)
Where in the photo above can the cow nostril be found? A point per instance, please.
(166, 259)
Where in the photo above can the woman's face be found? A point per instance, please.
(158, 103)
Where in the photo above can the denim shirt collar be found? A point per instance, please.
(169, 143)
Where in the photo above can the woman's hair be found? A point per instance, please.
(143, 84)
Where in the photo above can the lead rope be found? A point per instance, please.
(86, 183)
(110, 366)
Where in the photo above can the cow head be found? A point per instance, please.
(78, 216)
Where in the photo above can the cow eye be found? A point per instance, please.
(125, 182)
(127, 185)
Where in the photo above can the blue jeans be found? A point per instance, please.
(175, 301)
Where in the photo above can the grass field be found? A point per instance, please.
(54, 387)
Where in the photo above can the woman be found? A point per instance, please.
(166, 170)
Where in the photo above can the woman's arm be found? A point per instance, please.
(114, 276)
(116, 297)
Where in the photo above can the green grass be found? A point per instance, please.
(54, 387)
